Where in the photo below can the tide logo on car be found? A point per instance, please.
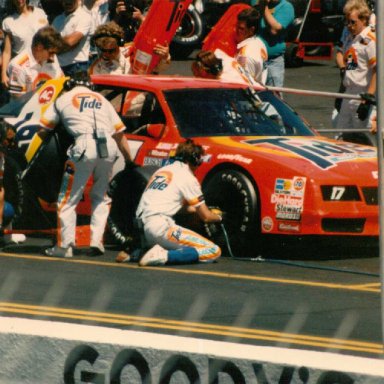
(84, 101)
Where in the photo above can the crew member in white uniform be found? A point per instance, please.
(90, 119)
(359, 52)
(32, 67)
(251, 51)
(170, 189)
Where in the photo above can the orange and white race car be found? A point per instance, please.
(269, 171)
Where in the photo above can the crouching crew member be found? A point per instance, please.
(169, 189)
(98, 133)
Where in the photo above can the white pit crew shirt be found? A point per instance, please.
(26, 74)
(168, 190)
(252, 55)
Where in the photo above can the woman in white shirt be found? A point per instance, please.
(19, 29)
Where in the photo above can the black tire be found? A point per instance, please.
(125, 190)
(188, 36)
(291, 58)
(233, 192)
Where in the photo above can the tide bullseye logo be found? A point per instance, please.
(160, 181)
(86, 101)
(46, 95)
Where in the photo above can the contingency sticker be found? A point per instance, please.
(288, 198)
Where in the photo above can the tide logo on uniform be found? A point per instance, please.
(84, 101)
(160, 181)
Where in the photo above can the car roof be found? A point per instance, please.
(163, 82)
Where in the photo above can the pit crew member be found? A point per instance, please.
(98, 135)
(168, 190)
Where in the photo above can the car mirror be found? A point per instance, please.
(155, 130)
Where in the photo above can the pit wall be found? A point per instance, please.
(47, 352)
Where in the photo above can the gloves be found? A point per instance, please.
(217, 211)
(364, 107)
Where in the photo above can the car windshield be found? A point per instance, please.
(233, 112)
(13, 108)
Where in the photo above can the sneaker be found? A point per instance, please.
(96, 250)
(123, 257)
(59, 251)
(157, 255)
(15, 238)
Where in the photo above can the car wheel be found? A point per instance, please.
(188, 36)
(125, 190)
(291, 58)
(233, 192)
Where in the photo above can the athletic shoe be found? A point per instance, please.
(59, 251)
(15, 238)
(96, 250)
(157, 255)
(123, 257)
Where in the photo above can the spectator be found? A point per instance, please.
(278, 15)
(114, 57)
(19, 29)
(6, 210)
(166, 193)
(98, 134)
(340, 60)
(359, 57)
(129, 14)
(251, 51)
(37, 64)
(75, 26)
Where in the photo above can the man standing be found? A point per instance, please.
(98, 135)
(75, 26)
(251, 51)
(359, 54)
(170, 189)
(278, 15)
(32, 67)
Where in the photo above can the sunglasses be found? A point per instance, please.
(105, 50)
(350, 22)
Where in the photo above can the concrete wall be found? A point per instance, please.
(35, 351)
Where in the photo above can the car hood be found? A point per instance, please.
(314, 156)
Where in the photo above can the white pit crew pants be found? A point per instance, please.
(77, 171)
(162, 230)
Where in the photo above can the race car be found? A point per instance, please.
(265, 167)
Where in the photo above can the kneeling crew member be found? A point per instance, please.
(169, 189)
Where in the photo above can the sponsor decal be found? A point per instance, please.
(267, 224)
(153, 161)
(322, 154)
(234, 157)
(84, 101)
(289, 198)
(159, 181)
(46, 94)
(166, 146)
(289, 227)
(157, 153)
